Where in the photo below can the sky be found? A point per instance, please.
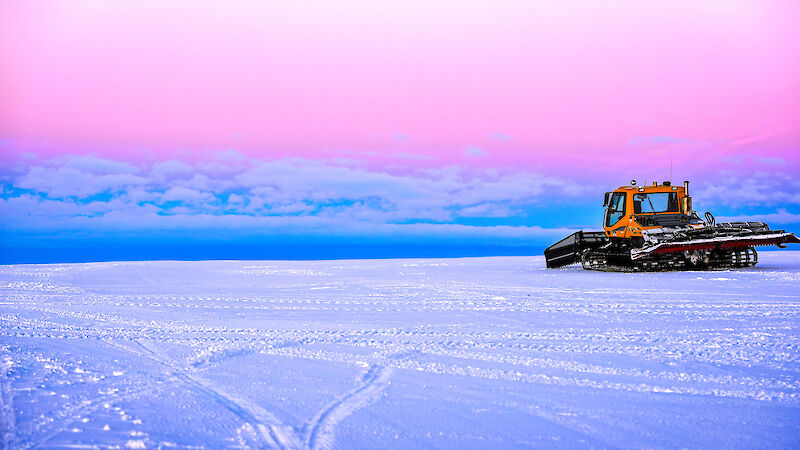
(255, 129)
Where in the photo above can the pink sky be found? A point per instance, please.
(529, 83)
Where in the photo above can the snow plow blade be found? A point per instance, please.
(721, 242)
(568, 250)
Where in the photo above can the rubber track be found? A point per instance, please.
(719, 260)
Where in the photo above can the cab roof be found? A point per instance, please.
(659, 188)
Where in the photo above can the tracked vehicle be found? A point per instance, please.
(654, 228)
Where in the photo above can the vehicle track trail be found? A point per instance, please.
(321, 429)
(272, 433)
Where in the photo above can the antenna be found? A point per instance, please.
(670, 170)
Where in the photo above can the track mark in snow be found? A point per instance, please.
(321, 428)
(269, 428)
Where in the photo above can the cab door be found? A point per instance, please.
(615, 213)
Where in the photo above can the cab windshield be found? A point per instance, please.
(655, 202)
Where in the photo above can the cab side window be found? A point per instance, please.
(673, 202)
(616, 209)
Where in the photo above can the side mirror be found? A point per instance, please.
(605, 201)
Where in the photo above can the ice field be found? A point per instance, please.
(430, 353)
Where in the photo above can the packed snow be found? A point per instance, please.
(443, 353)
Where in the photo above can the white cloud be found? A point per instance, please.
(235, 199)
(302, 197)
(475, 152)
(67, 181)
(92, 164)
(756, 189)
(172, 169)
(772, 161)
(485, 210)
(30, 212)
(289, 191)
(780, 217)
(186, 195)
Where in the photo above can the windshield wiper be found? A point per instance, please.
(653, 208)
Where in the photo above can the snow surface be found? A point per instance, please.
(449, 353)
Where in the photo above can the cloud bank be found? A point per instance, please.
(287, 196)
(234, 200)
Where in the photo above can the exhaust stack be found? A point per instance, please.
(687, 201)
